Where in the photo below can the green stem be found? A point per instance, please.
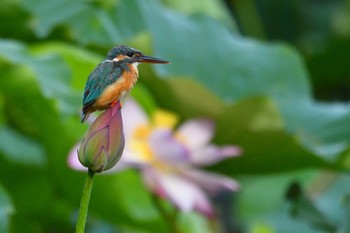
(214, 225)
(169, 218)
(84, 203)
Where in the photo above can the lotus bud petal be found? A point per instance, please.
(103, 143)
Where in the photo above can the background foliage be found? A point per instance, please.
(274, 75)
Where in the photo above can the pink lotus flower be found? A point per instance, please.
(168, 157)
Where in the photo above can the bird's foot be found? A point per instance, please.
(115, 103)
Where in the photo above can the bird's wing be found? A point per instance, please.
(102, 76)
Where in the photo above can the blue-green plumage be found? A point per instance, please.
(104, 75)
(120, 64)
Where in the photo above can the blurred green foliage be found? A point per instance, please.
(259, 92)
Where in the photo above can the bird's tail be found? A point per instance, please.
(84, 116)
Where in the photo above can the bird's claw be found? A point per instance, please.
(115, 103)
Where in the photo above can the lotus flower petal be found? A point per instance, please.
(73, 160)
(196, 133)
(211, 182)
(212, 154)
(134, 117)
(167, 148)
(183, 193)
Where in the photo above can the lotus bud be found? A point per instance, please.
(103, 143)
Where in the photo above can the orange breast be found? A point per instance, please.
(117, 90)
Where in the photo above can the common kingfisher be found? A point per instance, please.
(113, 78)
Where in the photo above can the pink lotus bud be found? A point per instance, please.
(103, 144)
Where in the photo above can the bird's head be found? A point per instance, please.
(131, 55)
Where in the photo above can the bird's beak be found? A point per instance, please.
(148, 59)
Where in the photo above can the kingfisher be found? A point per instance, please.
(113, 78)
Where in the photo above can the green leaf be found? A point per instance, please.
(231, 66)
(80, 61)
(235, 68)
(258, 128)
(16, 147)
(104, 25)
(183, 96)
(261, 228)
(254, 124)
(192, 222)
(330, 195)
(321, 127)
(304, 209)
(52, 13)
(346, 225)
(36, 127)
(143, 96)
(211, 8)
(2, 113)
(261, 202)
(49, 70)
(6, 210)
(136, 202)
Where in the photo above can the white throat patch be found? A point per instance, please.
(114, 60)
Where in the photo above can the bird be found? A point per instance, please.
(113, 78)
